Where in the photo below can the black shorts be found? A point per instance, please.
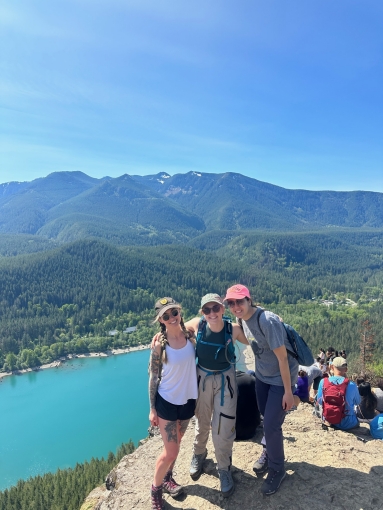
(316, 382)
(173, 412)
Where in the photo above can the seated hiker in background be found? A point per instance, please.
(330, 353)
(172, 393)
(378, 391)
(376, 427)
(366, 410)
(323, 368)
(338, 397)
(302, 389)
(321, 355)
(359, 380)
(314, 376)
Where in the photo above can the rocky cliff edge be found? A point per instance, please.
(326, 469)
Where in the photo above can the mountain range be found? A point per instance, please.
(162, 209)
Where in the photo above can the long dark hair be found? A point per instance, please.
(368, 398)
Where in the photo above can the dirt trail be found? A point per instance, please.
(327, 469)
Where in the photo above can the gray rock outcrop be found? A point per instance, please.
(326, 469)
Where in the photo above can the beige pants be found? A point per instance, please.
(209, 411)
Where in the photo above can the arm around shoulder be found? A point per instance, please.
(192, 325)
(239, 335)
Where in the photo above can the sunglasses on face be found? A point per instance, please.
(173, 313)
(215, 308)
(233, 302)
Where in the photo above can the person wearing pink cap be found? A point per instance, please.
(276, 374)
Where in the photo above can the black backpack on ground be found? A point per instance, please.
(248, 417)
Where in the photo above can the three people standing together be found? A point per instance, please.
(214, 385)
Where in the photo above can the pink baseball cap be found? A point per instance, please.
(237, 291)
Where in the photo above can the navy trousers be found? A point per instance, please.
(269, 399)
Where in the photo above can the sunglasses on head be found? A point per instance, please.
(233, 302)
(215, 308)
(173, 313)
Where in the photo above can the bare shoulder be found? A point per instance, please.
(236, 327)
(156, 345)
(239, 335)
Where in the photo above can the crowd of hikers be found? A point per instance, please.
(192, 373)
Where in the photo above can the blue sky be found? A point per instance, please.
(287, 92)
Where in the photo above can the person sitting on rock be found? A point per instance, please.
(330, 353)
(376, 427)
(314, 376)
(366, 410)
(359, 380)
(324, 368)
(321, 354)
(302, 389)
(378, 392)
(351, 396)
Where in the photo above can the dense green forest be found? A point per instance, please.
(64, 490)
(67, 300)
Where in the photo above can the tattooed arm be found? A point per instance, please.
(154, 368)
(155, 339)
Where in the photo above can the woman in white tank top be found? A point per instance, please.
(172, 393)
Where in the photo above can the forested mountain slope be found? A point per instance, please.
(69, 299)
(234, 201)
(68, 206)
(24, 210)
(161, 209)
(90, 287)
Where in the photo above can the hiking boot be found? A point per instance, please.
(227, 483)
(273, 481)
(260, 466)
(196, 465)
(170, 486)
(156, 498)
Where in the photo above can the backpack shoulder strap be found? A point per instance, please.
(228, 328)
(262, 310)
(344, 384)
(201, 329)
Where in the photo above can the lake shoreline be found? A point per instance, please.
(248, 354)
(63, 359)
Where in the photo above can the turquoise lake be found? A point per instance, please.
(85, 408)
